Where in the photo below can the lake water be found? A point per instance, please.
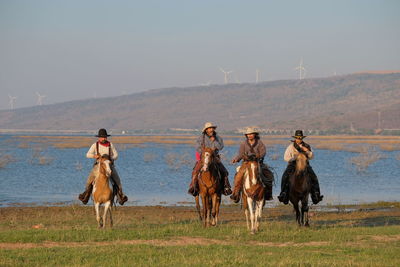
(149, 177)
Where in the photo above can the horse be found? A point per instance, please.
(253, 194)
(299, 190)
(209, 188)
(102, 191)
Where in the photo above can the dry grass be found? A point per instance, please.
(148, 157)
(5, 159)
(175, 161)
(365, 159)
(39, 156)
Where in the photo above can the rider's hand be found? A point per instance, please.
(96, 156)
(212, 138)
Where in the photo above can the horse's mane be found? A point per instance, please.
(301, 163)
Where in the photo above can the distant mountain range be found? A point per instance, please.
(339, 103)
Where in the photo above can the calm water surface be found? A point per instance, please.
(155, 174)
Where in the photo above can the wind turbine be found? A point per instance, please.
(226, 73)
(257, 75)
(40, 99)
(12, 101)
(301, 69)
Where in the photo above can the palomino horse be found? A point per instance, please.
(300, 187)
(253, 194)
(209, 185)
(102, 191)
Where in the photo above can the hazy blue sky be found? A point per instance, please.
(78, 49)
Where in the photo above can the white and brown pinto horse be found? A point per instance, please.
(102, 191)
(300, 188)
(209, 187)
(253, 194)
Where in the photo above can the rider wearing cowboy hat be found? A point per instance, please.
(298, 146)
(209, 138)
(98, 149)
(252, 149)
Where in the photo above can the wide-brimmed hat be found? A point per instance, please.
(299, 134)
(251, 130)
(102, 133)
(209, 125)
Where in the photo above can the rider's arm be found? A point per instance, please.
(240, 154)
(310, 154)
(92, 152)
(290, 154)
(218, 143)
(261, 150)
(114, 152)
(199, 143)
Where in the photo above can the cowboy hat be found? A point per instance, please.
(102, 133)
(299, 134)
(251, 130)
(209, 125)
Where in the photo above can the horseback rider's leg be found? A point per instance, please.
(194, 185)
(84, 197)
(122, 198)
(238, 184)
(267, 178)
(284, 195)
(315, 191)
(224, 175)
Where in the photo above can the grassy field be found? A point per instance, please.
(363, 235)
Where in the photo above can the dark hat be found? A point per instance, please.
(102, 133)
(299, 134)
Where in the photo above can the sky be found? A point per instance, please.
(69, 50)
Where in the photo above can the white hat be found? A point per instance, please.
(209, 125)
(251, 130)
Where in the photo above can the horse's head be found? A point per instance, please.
(301, 163)
(207, 156)
(252, 171)
(104, 165)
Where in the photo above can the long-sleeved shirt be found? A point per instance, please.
(291, 153)
(102, 150)
(244, 149)
(218, 143)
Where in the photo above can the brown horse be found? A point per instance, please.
(210, 188)
(253, 194)
(102, 191)
(300, 188)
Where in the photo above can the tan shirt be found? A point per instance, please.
(102, 150)
(291, 153)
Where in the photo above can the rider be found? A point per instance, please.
(252, 148)
(209, 138)
(98, 149)
(298, 146)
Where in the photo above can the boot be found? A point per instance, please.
(268, 193)
(194, 186)
(84, 197)
(284, 195)
(227, 187)
(316, 197)
(235, 196)
(122, 198)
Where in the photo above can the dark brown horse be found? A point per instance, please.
(300, 187)
(210, 188)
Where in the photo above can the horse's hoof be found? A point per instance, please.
(307, 225)
(253, 232)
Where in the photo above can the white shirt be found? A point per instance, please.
(102, 150)
(291, 153)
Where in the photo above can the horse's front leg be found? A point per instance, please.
(204, 201)
(304, 211)
(106, 210)
(97, 209)
(218, 204)
(198, 207)
(250, 205)
(213, 209)
(296, 208)
(259, 208)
